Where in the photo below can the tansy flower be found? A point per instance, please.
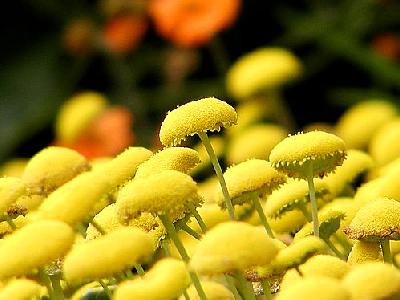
(308, 155)
(363, 252)
(213, 290)
(34, 246)
(248, 181)
(248, 246)
(21, 289)
(72, 202)
(353, 128)
(211, 214)
(262, 69)
(20, 221)
(373, 281)
(107, 255)
(124, 166)
(377, 221)
(198, 117)
(192, 23)
(51, 168)
(167, 279)
(293, 195)
(11, 188)
(254, 142)
(383, 145)
(355, 164)
(315, 288)
(324, 265)
(175, 158)
(289, 222)
(154, 194)
(107, 219)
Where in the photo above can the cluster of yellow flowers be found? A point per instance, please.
(288, 219)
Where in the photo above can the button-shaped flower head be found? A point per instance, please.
(208, 114)
(21, 289)
(11, 188)
(107, 255)
(169, 192)
(181, 159)
(34, 246)
(51, 168)
(167, 279)
(232, 246)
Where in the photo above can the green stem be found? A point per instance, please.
(218, 171)
(387, 256)
(246, 292)
(81, 229)
(129, 274)
(198, 218)
(188, 230)
(344, 242)
(98, 227)
(165, 248)
(105, 288)
(185, 294)
(58, 293)
(314, 207)
(335, 250)
(139, 269)
(182, 251)
(45, 279)
(267, 289)
(10, 222)
(262, 216)
(232, 287)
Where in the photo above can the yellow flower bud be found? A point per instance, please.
(325, 265)
(213, 291)
(11, 188)
(34, 246)
(21, 289)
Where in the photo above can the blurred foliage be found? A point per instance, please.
(332, 38)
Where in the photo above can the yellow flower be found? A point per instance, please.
(290, 195)
(207, 114)
(213, 291)
(356, 163)
(363, 252)
(254, 142)
(51, 168)
(108, 221)
(77, 113)
(232, 246)
(168, 192)
(72, 202)
(262, 69)
(325, 265)
(315, 288)
(373, 281)
(188, 241)
(34, 246)
(107, 255)
(375, 221)
(323, 150)
(359, 123)
(289, 222)
(384, 147)
(21, 289)
(211, 214)
(13, 168)
(166, 280)
(175, 158)
(20, 221)
(298, 252)
(11, 188)
(254, 175)
(123, 167)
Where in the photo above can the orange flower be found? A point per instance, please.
(124, 32)
(192, 23)
(107, 135)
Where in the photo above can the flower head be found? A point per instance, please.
(262, 69)
(21, 289)
(325, 265)
(207, 114)
(168, 192)
(51, 168)
(165, 280)
(11, 188)
(248, 246)
(181, 159)
(295, 153)
(34, 246)
(107, 255)
(213, 291)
